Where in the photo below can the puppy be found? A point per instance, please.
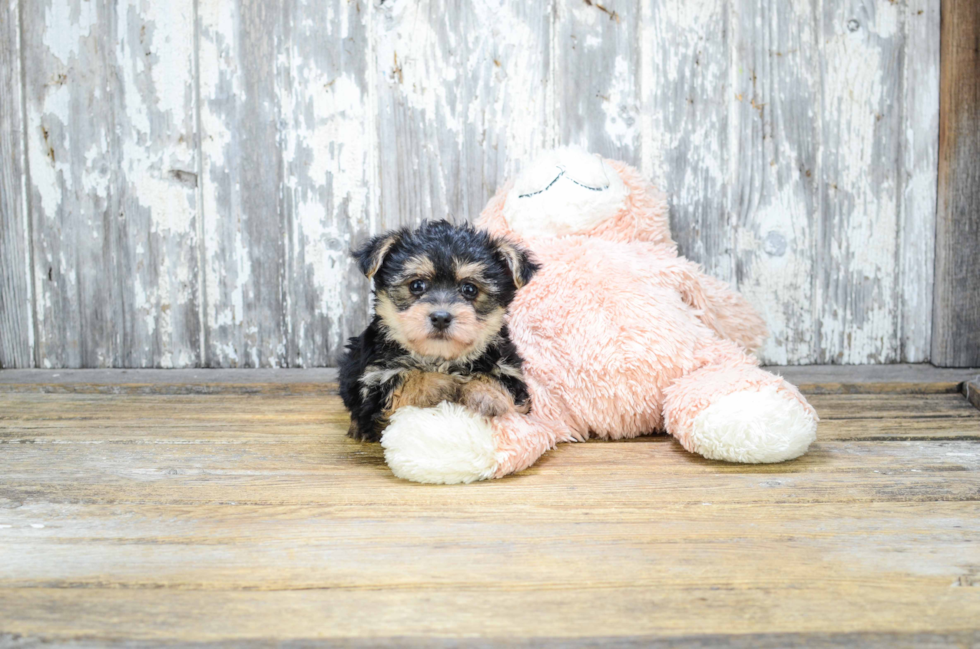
(438, 332)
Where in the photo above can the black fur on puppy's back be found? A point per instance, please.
(365, 406)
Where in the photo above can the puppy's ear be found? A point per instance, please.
(370, 256)
(522, 267)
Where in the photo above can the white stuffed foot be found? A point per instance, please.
(447, 444)
(753, 427)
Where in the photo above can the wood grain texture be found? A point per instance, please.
(244, 232)
(198, 170)
(462, 90)
(971, 390)
(857, 285)
(329, 141)
(909, 378)
(687, 127)
(918, 178)
(69, 130)
(811, 379)
(112, 153)
(773, 208)
(597, 76)
(16, 297)
(859, 640)
(956, 307)
(765, 135)
(253, 520)
(288, 149)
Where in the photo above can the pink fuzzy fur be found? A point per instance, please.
(622, 337)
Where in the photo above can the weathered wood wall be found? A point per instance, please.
(956, 314)
(181, 180)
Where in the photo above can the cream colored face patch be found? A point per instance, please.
(412, 329)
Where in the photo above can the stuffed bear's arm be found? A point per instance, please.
(730, 314)
(717, 304)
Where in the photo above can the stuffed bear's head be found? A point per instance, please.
(568, 191)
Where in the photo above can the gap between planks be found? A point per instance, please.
(811, 379)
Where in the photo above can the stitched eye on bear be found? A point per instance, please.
(469, 291)
(418, 287)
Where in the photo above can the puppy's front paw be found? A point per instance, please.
(488, 405)
(354, 432)
(488, 398)
(447, 444)
(424, 390)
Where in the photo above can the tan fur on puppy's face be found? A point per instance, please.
(469, 334)
(418, 267)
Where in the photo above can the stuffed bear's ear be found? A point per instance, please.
(522, 267)
(370, 256)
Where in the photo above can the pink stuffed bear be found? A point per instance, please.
(620, 337)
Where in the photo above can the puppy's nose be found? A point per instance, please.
(440, 320)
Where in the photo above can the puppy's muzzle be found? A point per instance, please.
(440, 320)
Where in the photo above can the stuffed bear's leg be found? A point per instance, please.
(449, 444)
(733, 410)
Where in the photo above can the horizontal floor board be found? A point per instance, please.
(223, 547)
(331, 429)
(898, 429)
(631, 475)
(909, 406)
(167, 411)
(906, 378)
(845, 606)
(251, 517)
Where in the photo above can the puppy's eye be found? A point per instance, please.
(468, 290)
(418, 287)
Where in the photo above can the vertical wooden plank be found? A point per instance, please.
(109, 90)
(597, 67)
(74, 210)
(919, 137)
(861, 112)
(328, 137)
(154, 164)
(686, 136)
(16, 319)
(242, 172)
(956, 308)
(773, 200)
(462, 102)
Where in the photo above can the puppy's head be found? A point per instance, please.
(441, 290)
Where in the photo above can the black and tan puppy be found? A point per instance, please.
(438, 333)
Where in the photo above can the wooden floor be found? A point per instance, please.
(229, 509)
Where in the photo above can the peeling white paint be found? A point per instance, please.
(780, 284)
(619, 106)
(50, 177)
(59, 24)
(404, 110)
